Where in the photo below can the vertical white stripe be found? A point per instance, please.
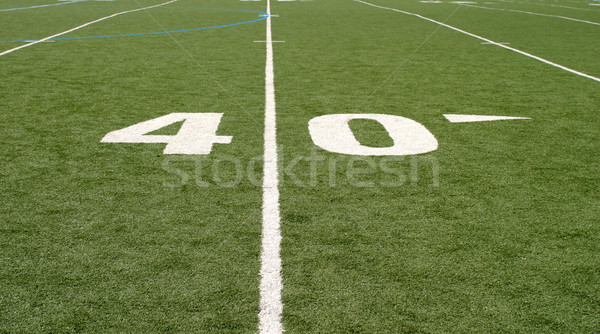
(271, 305)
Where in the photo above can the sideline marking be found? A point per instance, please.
(534, 13)
(156, 32)
(268, 41)
(548, 5)
(486, 40)
(271, 305)
(40, 6)
(503, 43)
(458, 118)
(83, 26)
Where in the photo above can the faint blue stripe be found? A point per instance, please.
(155, 32)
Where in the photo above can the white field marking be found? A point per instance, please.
(462, 2)
(332, 133)
(83, 26)
(197, 134)
(543, 4)
(503, 43)
(268, 42)
(457, 118)
(65, 2)
(533, 13)
(271, 305)
(430, 1)
(595, 4)
(272, 15)
(549, 5)
(487, 40)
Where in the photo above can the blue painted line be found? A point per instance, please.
(156, 32)
(40, 6)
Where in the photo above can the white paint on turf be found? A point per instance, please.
(534, 13)
(64, 2)
(545, 61)
(547, 5)
(457, 118)
(197, 134)
(82, 26)
(271, 305)
(332, 133)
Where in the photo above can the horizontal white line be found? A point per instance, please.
(459, 118)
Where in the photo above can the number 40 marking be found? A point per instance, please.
(198, 134)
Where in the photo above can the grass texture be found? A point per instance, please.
(497, 231)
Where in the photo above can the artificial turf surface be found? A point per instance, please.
(497, 231)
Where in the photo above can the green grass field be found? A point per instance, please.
(495, 231)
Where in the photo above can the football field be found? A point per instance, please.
(299, 166)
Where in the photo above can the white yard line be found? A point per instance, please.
(534, 13)
(547, 5)
(271, 305)
(545, 61)
(81, 26)
(41, 6)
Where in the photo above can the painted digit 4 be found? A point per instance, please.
(197, 134)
